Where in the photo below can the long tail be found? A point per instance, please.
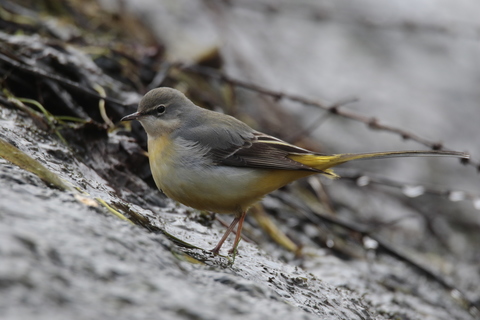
(325, 162)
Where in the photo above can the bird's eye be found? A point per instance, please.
(159, 110)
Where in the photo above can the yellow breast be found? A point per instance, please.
(161, 156)
(183, 172)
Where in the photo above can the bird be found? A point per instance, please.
(214, 162)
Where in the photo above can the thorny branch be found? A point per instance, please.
(371, 122)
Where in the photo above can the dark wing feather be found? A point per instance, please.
(263, 152)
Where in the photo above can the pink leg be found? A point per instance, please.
(239, 232)
(217, 248)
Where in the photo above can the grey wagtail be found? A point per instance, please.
(211, 161)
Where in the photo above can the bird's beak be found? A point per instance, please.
(133, 116)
